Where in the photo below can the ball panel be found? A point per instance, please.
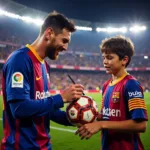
(83, 101)
(88, 115)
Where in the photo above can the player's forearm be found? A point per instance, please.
(27, 108)
(60, 117)
(123, 126)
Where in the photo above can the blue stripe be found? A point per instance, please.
(135, 142)
(108, 98)
(105, 143)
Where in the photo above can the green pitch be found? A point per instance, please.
(66, 140)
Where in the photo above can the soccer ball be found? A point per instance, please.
(82, 111)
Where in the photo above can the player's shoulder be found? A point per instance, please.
(18, 55)
(107, 82)
(131, 81)
(17, 58)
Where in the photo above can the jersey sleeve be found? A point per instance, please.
(135, 100)
(17, 76)
(59, 117)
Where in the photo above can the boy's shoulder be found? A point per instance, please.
(131, 79)
(107, 82)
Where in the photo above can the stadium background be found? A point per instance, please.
(82, 61)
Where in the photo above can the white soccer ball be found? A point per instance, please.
(82, 111)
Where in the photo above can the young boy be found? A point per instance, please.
(123, 113)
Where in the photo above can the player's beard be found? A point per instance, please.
(51, 52)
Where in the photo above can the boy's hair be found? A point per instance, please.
(119, 45)
(57, 22)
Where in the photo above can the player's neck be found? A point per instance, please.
(39, 48)
(119, 74)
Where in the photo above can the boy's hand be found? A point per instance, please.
(87, 130)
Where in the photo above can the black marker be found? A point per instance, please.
(73, 81)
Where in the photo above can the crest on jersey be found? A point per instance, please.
(116, 97)
(17, 80)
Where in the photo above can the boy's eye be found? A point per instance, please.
(109, 57)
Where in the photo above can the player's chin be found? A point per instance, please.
(54, 57)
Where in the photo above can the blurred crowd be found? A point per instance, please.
(91, 81)
(79, 59)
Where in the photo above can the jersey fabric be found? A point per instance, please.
(26, 83)
(122, 100)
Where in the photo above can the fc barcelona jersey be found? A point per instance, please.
(26, 77)
(122, 100)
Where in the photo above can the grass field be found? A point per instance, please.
(63, 140)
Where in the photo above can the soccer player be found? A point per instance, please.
(123, 113)
(28, 106)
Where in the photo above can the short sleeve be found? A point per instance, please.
(17, 77)
(135, 99)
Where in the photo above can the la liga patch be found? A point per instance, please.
(17, 80)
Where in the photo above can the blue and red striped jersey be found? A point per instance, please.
(122, 100)
(26, 79)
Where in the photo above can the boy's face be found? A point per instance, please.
(112, 63)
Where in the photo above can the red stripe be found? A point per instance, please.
(17, 135)
(146, 114)
(140, 145)
(42, 137)
(125, 141)
(6, 129)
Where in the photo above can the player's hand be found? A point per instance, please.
(87, 130)
(73, 92)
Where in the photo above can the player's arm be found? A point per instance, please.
(87, 130)
(60, 117)
(28, 107)
(125, 126)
